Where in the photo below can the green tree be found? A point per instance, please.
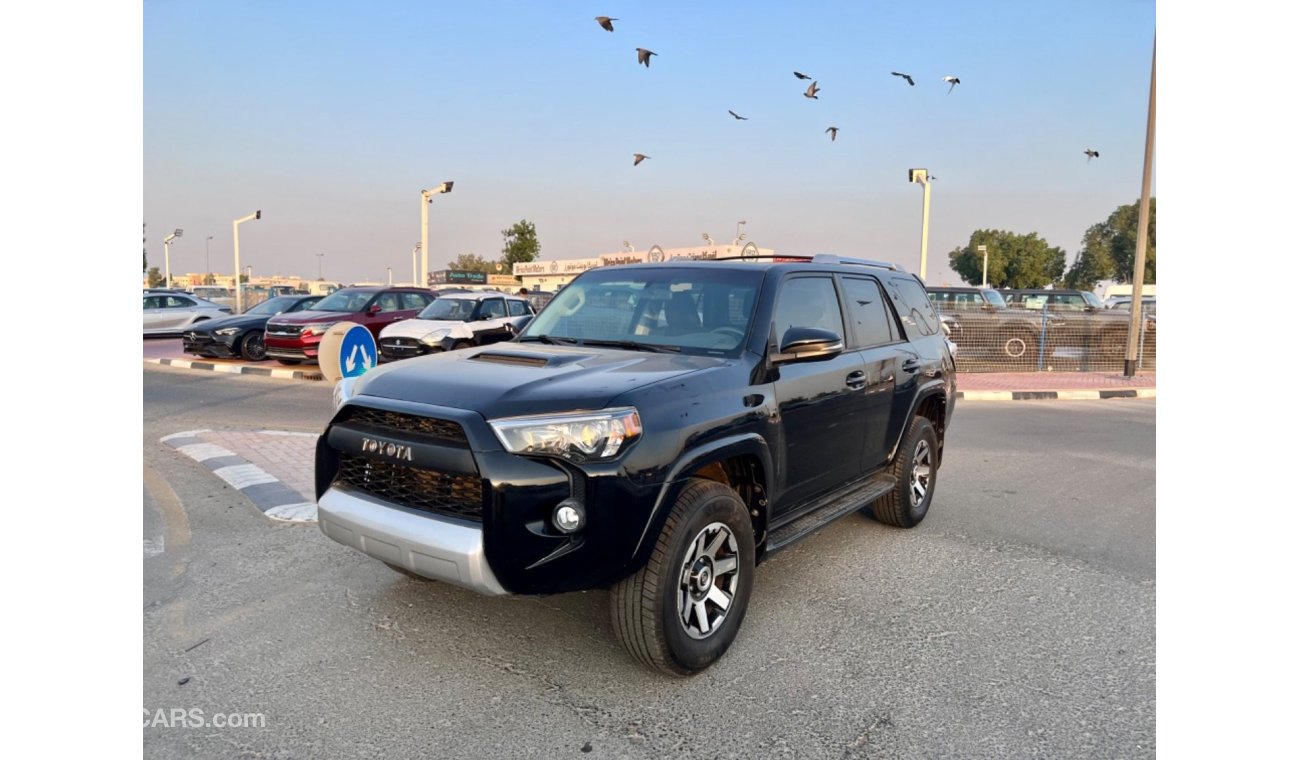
(1015, 261)
(520, 244)
(155, 278)
(1109, 249)
(469, 262)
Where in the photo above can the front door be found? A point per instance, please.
(820, 402)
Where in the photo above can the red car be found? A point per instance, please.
(294, 338)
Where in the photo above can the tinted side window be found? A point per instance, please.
(808, 302)
(177, 302)
(913, 307)
(387, 302)
(306, 304)
(868, 312)
(493, 308)
(518, 308)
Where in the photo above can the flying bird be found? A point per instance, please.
(801, 76)
(1091, 154)
(638, 158)
(738, 116)
(905, 76)
(643, 56)
(834, 131)
(812, 90)
(952, 82)
(605, 24)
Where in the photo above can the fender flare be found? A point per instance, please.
(933, 388)
(691, 460)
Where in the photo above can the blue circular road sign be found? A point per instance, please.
(357, 352)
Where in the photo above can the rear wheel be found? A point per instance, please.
(680, 612)
(914, 469)
(253, 346)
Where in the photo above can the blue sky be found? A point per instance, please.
(330, 117)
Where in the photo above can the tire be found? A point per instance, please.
(652, 608)
(253, 347)
(290, 362)
(919, 450)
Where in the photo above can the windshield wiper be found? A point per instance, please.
(553, 340)
(632, 345)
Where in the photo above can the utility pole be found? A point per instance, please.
(984, 249)
(1144, 220)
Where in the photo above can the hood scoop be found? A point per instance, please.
(526, 359)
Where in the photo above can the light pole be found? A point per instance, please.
(167, 253)
(207, 258)
(390, 277)
(922, 177)
(984, 249)
(319, 264)
(738, 236)
(415, 269)
(426, 198)
(1136, 315)
(239, 290)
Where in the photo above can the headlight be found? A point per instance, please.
(317, 329)
(343, 390)
(435, 336)
(228, 331)
(579, 437)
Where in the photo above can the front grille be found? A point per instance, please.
(286, 353)
(406, 423)
(274, 329)
(400, 348)
(443, 493)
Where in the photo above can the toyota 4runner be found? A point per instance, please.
(658, 429)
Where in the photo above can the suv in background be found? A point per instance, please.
(295, 338)
(983, 325)
(1076, 319)
(658, 429)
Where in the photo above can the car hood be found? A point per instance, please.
(510, 379)
(418, 328)
(241, 321)
(312, 316)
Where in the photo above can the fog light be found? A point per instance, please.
(569, 516)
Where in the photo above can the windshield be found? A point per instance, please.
(697, 309)
(1092, 300)
(271, 306)
(345, 300)
(449, 309)
(995, 298)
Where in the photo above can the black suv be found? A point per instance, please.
(983, 324)
(658, 429)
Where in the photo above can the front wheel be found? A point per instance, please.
(253, 347)
(680, 612)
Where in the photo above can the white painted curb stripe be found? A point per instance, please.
(183, 434)
(1078, 395)
(1146, 392)
(201, 452)
(241, 476)
(301, 512)
(289, 433)
(986, 395)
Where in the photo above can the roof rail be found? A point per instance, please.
(800, 256)
(830, 258)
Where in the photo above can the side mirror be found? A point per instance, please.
(804, 344)
(375, 308)
(518, 325)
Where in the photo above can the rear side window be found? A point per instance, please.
(414, 301)
(493, 308)
(867, 310)
(914, 308)
(518, 308)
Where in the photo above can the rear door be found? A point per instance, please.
(153, 312)
(177, 311)
(821, 403)
(876, 338)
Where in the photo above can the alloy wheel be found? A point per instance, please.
(709, 578)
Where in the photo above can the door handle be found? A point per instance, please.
(856, 380)
(912, 365)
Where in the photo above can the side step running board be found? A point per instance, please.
(838, 505)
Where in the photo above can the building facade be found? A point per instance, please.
(556, 273)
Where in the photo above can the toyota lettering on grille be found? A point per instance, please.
(386, 448)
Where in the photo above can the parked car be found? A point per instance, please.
(657, 429)
(173, 313)
(242, 335)
(982, 324)
(216, 294)
(1076, 319)
(453, 321)
(294, 338)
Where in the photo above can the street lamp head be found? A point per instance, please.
(919, 176)
(258, 214)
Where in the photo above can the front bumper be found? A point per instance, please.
(424, 544)
(392, 349)
(201, 344)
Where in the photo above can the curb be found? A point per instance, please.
(1090, 395)
(271, 497)
(239, 369)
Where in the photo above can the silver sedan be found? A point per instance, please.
(167, 313)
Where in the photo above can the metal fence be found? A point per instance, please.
(1046, 340)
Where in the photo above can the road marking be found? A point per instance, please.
(183, 434)
(301, 512)
(241, 476)
(279, 502)
(200, 452)
(153, 547)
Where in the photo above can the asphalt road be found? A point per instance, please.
(1017, 620)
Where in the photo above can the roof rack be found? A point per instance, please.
(830, 258)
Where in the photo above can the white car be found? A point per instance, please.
(453, 321)
(173, 313)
